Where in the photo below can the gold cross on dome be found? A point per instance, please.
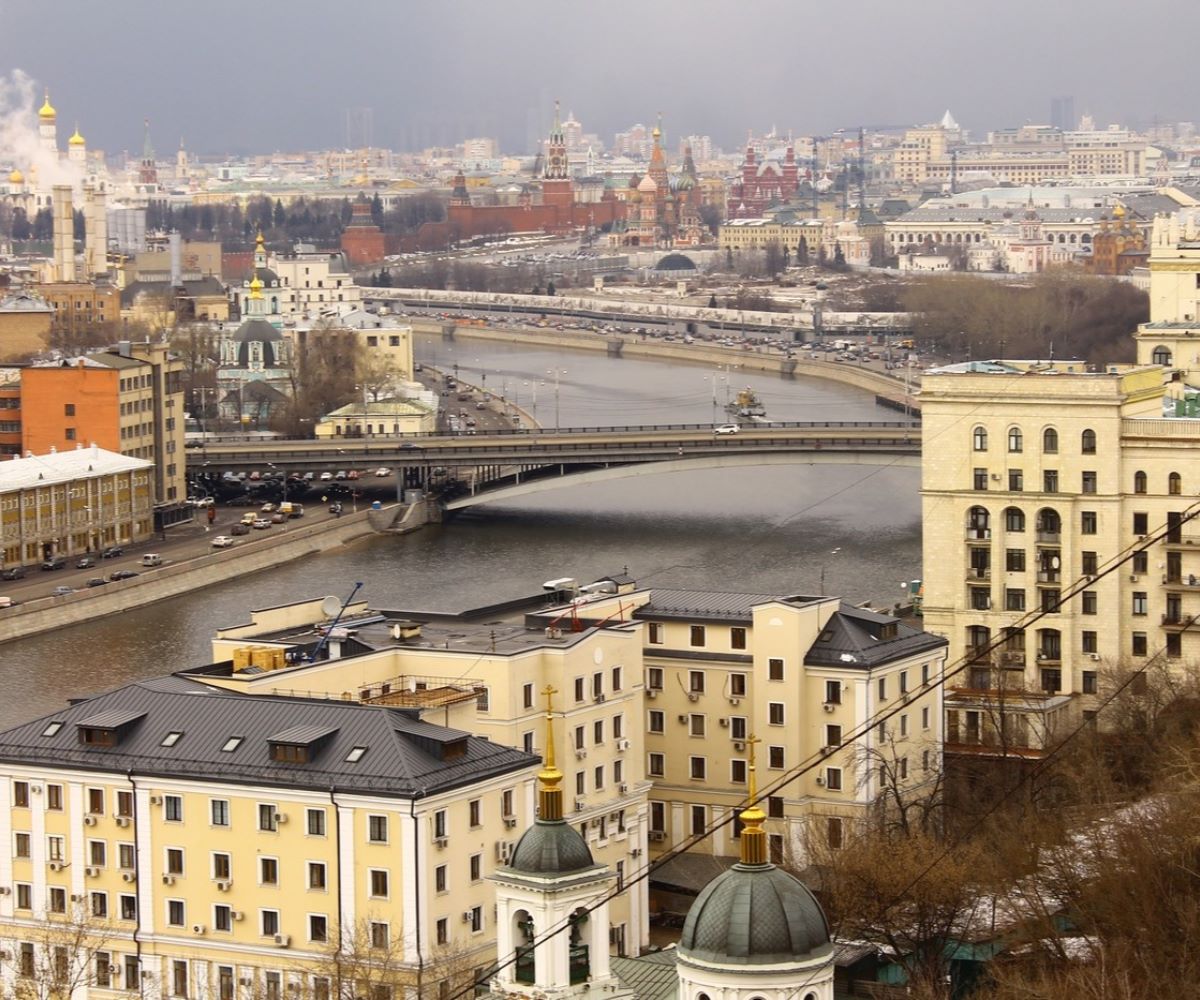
(549, 691)
(751, 742)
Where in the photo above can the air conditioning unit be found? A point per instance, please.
(723, 722)
(739, 745)
(735, 701)
(282, 940)
(623, 788)
(224, 884)
(56, 866)
(683, 719)
(245, 981)
(658, 835)
(280, 818)
(580, 804)
(237, 915)
(89, 820)
(440, 841)
(198, 928)
(599, 699)
(128, 876)
(36, 789)
(168, 880)
(693, 696)
(829, 706)
(1133, 578)
(5, 890)
(156, 800)
(466, 917)
(510, 821)
(651, 692)
(1094, 656)
(826, 751)
(77, 897)
(995, 477)
(581, 755)
(122, 821)
(91, 872)
(622, 744)
(821, 780)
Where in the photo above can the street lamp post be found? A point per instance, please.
(556, 372)
(831, 555)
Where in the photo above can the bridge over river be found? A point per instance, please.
(479, 468)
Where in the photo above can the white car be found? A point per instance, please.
(382, 472)
(326, 477)
(222, 542)
(726, 429)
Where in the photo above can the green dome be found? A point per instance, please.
(551, 847)
(755, 915)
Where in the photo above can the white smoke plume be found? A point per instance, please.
(20, 143)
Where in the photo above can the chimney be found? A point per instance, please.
(96, 218)
(64, 233)
(124, 348)
(176, 259)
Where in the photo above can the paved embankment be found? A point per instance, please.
(188, 575)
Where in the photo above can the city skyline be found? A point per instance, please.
(251, 82)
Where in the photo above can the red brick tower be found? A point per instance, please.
(557, 189)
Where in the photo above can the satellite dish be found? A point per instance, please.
(331, 606)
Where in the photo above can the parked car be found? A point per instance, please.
(55, 562)
(382, 472)
(222, 542)
(340, 474)
(255, 476)
(63, 591)
(123, 574)
(352, 474)
(326, 476)
(240, 529)
(97, 581)
(13, 573)
(261, 523)
(244, 500)
(112, 552)
(87, 562)
(309, 477)
(726, 429)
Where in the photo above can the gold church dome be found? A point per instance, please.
(47, 112)
(16, 177)
(76, 139)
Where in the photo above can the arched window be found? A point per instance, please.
(1014, 519)
(1161, 355)
(979, 439)
(1087, 442)
(523, 938)
(1139, 482)
(1174, 484)
(1049, 525)
(978, 636)
(1050, 441)
(979, 523)
(1015, 441)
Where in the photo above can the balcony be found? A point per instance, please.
(1049, 658)
(1049, 537)
(1176, 620)
(979, 534)
(1190, 581)
(1049, 576)
(979, 572)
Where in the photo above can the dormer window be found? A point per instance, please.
(298, 744)
(107, 728)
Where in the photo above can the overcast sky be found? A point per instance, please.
(280, 74)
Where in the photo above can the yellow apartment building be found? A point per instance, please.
(173, 839)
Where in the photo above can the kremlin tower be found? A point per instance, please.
(48, 127)
(557, 189)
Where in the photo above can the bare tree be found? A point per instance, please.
(62, 954)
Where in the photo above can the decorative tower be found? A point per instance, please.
(47, 126)
(551, 931)
(557, 189)
(755, 930)
(182, 170)
(260, 254)
(77, 149)
(790, 174)
(147, 170)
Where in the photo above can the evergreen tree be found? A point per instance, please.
(280, 215)
(802, 252)
(712, 302)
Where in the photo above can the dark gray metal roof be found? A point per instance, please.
(706, 605)
(856, 637)
(651, 977)
(551, 847)
(755, 915)
(402, 753)
(301, 734)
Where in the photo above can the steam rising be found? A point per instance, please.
(20, 144)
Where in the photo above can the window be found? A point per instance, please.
(269, 922)
(697, 635)
(175, 913)
(737, 638)
(737, 772)
(1174, 484)
(58, 899)
(99, 905)
(979, 479)
(316, 822)
(833, 735)
(775, 713)
(266, 817)
(476, 867)
(833, 779)
(128, 906)
(54, 848)
(598, 732)
(618, 678)
(225, 982)
(1014, 519)
(174, 860)
(1051, 679)
(883, 689)
(1088, 602)
(179, 978)
(377, 881)
(833, 692)
(1050, 481)
(618, 726)
(268, 871)
(979, 439)
(1161, 355)
(775, 757)
(1087, 522)
(104, 969)
(656, 634)
(696, 724)
(506, 804)
(54, 799)
(1138, 644)
(696, 682)
(1139, 482)
(1016, 480)
(737, 682)
(656, 721)
(1014, 560)
(1088, 562)
(355, 755)
(1014, 600)
(656, 765)
(318, 928)
(654, 678)
(439, 824)
(698, 768)
(981, 598)
(21, 845)
(443, 931)
(377, 829)
(231, 744)
(439, 878)
(476, 920)
(316, 876)
(1087, 482)
(173, 808)
(1089, 682)
(219, 812)
(1140, 602)
(1050, 441)
(527, 696)
(737, 727)
(1015, 440)
(1087, 442)
(24, 896)
(171, 738)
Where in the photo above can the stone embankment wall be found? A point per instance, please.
(188, 575)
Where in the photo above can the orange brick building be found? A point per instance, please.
(10, 411)
(362, 240)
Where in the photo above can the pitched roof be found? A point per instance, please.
(404, 756)
(705, 605)
(857, 637)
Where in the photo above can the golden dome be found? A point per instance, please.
(16, 177)
(76, 139)
(1119, 212)
(47, 112)
(256, 287)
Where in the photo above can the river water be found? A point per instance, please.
(775, 530)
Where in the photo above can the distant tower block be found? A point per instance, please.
(64, 233)
(360, 128)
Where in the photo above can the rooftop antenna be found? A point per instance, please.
(329, 605)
